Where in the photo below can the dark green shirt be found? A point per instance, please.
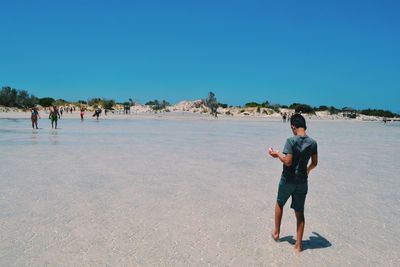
(301, 148)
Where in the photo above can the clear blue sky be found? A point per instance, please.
(342, 53)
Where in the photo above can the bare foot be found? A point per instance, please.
(275, 235)
(297, 248)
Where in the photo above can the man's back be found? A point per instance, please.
(301, 148)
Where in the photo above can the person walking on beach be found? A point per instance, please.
(54, 116)
(295, 157)
(34, 117)
(82, 113)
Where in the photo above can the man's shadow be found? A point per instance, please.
(315, 242)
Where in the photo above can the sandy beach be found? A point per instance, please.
(190, 190)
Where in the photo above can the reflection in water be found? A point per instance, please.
(34, 137)
(394, 124)
(54, 137)
(13, 120)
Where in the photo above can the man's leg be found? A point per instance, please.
(278, 220)
(298, 200)
(284, 192)
(300, 230)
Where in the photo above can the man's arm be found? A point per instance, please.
(313, 164)
(285, 159)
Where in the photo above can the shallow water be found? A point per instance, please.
(193, 191)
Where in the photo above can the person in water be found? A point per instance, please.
(284, 116)
(54, 116)
(82, 113)
(97, 113)
(34, 117)
(297, 152)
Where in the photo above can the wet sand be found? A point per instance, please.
(192, 191)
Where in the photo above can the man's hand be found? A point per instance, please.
(313, 164)
(285, 159)
(273, 153)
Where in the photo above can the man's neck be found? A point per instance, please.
(300, 132)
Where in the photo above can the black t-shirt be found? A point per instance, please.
(301, 148)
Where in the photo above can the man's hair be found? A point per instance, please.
(298, 121)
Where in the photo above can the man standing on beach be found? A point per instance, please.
(295, 157)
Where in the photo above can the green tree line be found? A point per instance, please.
(157, 105)
(304, 108)
(11, 97)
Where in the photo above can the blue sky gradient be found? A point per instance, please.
(342, 53)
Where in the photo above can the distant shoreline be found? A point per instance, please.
(182, 115)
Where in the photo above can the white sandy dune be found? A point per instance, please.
(192, 191)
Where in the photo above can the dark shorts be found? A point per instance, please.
(297, 191)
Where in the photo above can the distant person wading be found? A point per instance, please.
(97, 113)
(34, 117)
(82, 113)
(54, 116)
